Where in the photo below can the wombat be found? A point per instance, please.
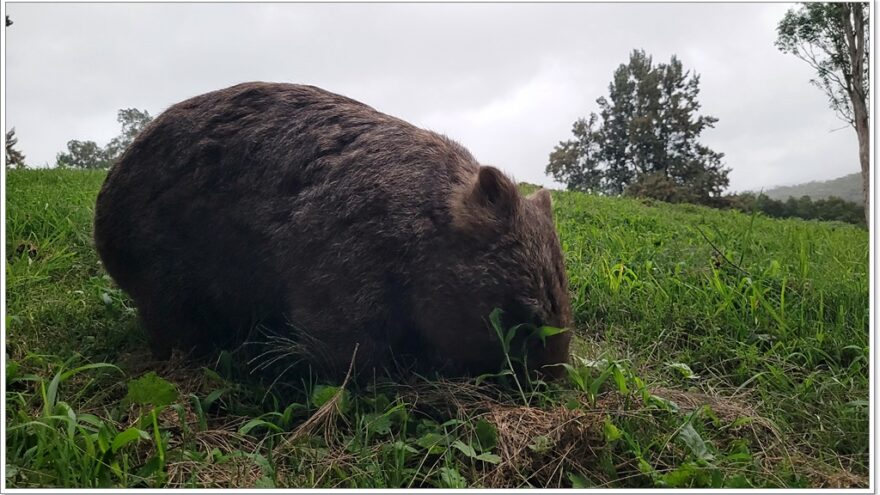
(288, 205)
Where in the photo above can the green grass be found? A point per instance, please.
(713, 349)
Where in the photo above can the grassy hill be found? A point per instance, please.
(848, 187)
(712, 349)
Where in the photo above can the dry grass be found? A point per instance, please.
(232, 472)
(538, 446)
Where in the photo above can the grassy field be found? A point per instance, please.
(713, 349)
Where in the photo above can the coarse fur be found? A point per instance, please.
(290, 206)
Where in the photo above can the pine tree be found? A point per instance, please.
(647, 141)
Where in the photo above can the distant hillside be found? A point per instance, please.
(848, 187)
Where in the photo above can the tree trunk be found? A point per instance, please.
(860, 106)
(854, 34)
(864, 135)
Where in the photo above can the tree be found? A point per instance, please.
(133, 122)
(576, 161)
(83, 154)
(833, 39)
(647, 141)
(14, 158)
(658, 186)
(830, 208)
(87, 154)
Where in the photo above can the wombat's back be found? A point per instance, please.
(228, 199)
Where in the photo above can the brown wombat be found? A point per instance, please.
(288, 205)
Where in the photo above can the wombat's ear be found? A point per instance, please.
(491, 199)
(494, 191)
(544, 202)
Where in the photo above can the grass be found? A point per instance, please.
(712, 349)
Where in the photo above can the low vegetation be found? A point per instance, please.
(712, 349)
(830, 208)
(847, 188)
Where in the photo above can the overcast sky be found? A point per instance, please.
(505, 80)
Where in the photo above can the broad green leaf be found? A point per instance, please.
(324, 393)
(695, 442)
(264, 482)
(680, 477)
(548, 331)
(684, 369)
(451, 478)
(52, 393)
(378, 423)
(91, 419)
(644, 466)
(488, 457)
(486, 434)
(128, 436)
(434, 443)
(619, 379)
(464, 448)
(495, 319)
(737, 481)
(212, 397)
(579, 481)
(742, 421)
(11, 370)
(612, 432)
(576, 377)
(150, 468)
(597, 383)
(104, 436)
(401, 446)
(663, 403)
(151, 389)
(743, 457)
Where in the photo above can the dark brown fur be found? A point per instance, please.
(291, 205)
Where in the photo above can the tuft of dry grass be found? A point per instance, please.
(325, 417)
(236, 471)
(538, 446)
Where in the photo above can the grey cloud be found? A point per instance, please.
(507, 80)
